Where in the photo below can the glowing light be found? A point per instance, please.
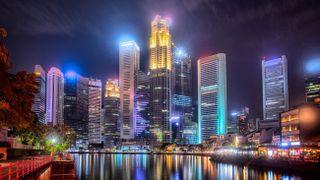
(295, 143)
(53, 140)
(313, 66)
(234, 114)
(284, 144)
(71, 74)
(177, 124)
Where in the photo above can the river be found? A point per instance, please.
(162, 167)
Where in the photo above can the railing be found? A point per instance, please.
(19, 169)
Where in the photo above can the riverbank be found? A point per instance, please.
(149, 153)
(283, 165)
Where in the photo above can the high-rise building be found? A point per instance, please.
(312, 89)
(94, 112)
(39, 105)
(160, 78)
(275, 90)
(111, 123)
(181, 93)
(212, 96)
(142, 109)
(76, 105)
(129, 60)
(190, 132)
(232, 124)
(54, 97)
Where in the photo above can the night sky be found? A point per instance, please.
(84, 36)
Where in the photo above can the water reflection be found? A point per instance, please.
(141, 166)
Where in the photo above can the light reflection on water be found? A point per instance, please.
(142, 166)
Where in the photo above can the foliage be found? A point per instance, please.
(16, 92)
(58, 138)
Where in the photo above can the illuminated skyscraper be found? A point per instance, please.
(54, 97)
(111, 122)
(94, 103)
(39, 105)
(243, 121)
(275, 91)
(160, 78)
(212, 96)
(76, 105)
(181, 90)
(142, 109)
(312, 89)
(129, 60)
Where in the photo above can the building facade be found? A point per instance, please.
(181, 93)
(111, 113)
(39, 105)
(76, 106)
(129, 60)
(142, 106)
(54, 97)
(160, 77)
(243, 121)
(312, 89)
(275, 90)
(94, 111)
(212, 96)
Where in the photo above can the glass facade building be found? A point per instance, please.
(312, 89)
(129, 60)
(275, 90)
(94, 112)
(39, 105)
(212, 96)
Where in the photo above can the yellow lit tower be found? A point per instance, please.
(160, 73)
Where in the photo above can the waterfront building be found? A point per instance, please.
(190, 133)
(300, 125)
(181, 92)
(232, 124)
(111, 124)
(212, 96)
(312, 89)
(94, 111)
(129, 60)
(76, 106)
(142, 106)
(275, 90)
(160, 77)
(39, 105)
(54, 96)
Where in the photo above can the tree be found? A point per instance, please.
(16, 92)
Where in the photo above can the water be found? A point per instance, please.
(141, 166)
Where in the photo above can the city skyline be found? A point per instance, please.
(65, 47)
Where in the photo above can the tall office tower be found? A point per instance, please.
(275, 90)
(39, 105)
(94, 103)
(233, 124)
(243, 121)
(54, 97)
(160, 78)
(111, 116)
(142, 98)
(181, 90)
(212, 96)
(312, 89)
(129, 60)
(76, 105)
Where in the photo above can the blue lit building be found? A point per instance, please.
(212, 96)
(275, 91)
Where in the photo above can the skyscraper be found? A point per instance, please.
(129, 60)
(312, 89)
(181, 90)
(94, 103)
(142, 108)
(160, 78)
(39, 105)
(212, 96)
(54, 97)
(76, 105)
(275, 90)
(111, 123)
(243, 121)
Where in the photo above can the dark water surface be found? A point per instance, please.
(162, 167)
